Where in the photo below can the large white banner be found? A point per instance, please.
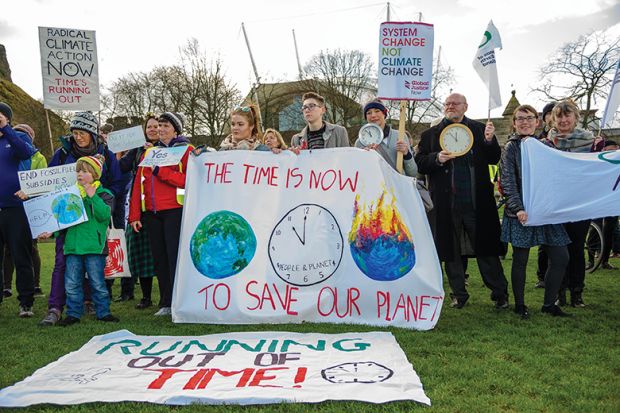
(561, 187)
(69, 68)
(334, 235)
(230, 368)
(405, 61)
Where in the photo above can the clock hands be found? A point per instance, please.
(303, 241)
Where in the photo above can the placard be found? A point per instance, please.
(159, 156)
(41, 181)
(55, 211)
(125, 139)
(69, 68)
(405, 61)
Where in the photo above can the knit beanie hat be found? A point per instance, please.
(6, 111)
(547, 109)
(85, 121)
(94, 161)
(375, 104)
(175, 119)
(22, 127)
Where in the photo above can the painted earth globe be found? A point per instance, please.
(67, 208)
(222, 245)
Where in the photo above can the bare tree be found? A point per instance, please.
(196, 86)
(344, 76)
(580, 70)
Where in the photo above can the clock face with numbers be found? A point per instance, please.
(457, 139)
(358, 372)
(306, 245)
(370, 133)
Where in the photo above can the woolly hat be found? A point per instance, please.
(6, 111)
(85, 121)
(547, 109)
(175, 119)
(95, 162)
(22, 127)
(375, 104)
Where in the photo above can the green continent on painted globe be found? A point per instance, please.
(222, 245)
(67, 208)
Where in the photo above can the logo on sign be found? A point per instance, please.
(115, 259)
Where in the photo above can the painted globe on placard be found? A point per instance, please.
(67, 208)
(380, 243)
(223, 244)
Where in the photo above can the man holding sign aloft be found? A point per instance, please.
(455, 155)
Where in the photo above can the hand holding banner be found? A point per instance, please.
(55, 211)
(40, 181)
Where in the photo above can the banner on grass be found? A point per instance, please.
(405, 61)
(334, 235)
(563, 187)
(55, 211)
(125, 139)
(41, 181)
(69, 68)
(231, 368)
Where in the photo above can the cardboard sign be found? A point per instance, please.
(405, 61)
(163, 156)
(41, 181)
(125, 139)
(69, 68)
(55, 211)
(229, 368)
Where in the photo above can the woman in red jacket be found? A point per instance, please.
(157, 198)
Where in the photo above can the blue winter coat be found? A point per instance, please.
(14, 147)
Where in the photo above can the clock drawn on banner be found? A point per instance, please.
(306, 245)
(457, 139)
(358, 372)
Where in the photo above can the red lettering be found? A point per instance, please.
(213, 298)
(164, 375)
(260, 376)
(348, 181)
(256, 297)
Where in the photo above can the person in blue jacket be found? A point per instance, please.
(14, 229)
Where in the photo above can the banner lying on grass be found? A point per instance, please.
(231, 368)
(334, 235)
(563, 187)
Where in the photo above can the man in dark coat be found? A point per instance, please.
(465, 221)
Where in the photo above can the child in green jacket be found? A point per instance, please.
(85, 245)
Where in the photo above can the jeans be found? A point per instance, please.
(77, 265)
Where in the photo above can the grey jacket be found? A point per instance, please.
(387, 149)
(335, 136)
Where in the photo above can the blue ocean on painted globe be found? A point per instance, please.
(223, 244)
(67, 208)
(380, 243)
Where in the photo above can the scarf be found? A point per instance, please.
(83, 193)
(246, 144)
(579, 140)
(78, 152)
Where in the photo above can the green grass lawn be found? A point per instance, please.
(477, 359)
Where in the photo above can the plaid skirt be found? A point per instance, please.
(139, 251)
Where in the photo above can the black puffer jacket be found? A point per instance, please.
(510, 170)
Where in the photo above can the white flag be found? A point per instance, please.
(613, 100)
(485, 65)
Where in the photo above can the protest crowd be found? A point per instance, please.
(148, 203)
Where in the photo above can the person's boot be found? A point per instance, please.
(576, 300)
(561, 301)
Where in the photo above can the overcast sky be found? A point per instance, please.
(138, 35)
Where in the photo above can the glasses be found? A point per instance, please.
(446, 104)
(525, 118)
(309, 106)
